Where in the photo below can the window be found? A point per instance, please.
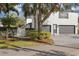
(63, 15)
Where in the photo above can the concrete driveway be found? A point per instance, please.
(71, 41)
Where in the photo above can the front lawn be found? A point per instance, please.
(18, 43)
(23, 43)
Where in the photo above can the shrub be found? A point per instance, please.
(32, 34)
(12, 39)
(45, 37)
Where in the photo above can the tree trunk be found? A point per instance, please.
(7, 33)
(12, 33)
(39, 21)
(35, 22)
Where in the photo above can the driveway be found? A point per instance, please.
(71, 41)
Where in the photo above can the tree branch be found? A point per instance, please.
(55, 8)
(46, 16)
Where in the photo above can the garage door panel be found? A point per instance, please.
(63, 29)
(46, 28)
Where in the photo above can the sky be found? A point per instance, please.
(1, 14)
(18, 7)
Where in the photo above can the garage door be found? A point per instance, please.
(46, 28)
(66, 29)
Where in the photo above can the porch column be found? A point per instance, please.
(76, 29)
(57, 29)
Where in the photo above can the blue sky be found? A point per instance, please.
(1, 14)
(18, 7)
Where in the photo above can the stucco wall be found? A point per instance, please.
(54, 19)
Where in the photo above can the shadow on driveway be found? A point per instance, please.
(38, 52)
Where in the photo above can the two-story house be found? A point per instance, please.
(63, 23)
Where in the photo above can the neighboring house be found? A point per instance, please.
(61, 23)
(29, 23)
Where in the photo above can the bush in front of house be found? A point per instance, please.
(33, 34)
(12, 39)
(45, 37)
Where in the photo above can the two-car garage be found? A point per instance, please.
(61, 29)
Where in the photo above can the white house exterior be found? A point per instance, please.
(61, 23)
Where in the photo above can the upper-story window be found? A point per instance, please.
(63, 15)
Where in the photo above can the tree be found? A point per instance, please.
(6, 7)
(40, 12)
(68, 6)
(11, 22)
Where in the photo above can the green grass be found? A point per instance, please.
(12, 44)
(23, 43)
(3, 46)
